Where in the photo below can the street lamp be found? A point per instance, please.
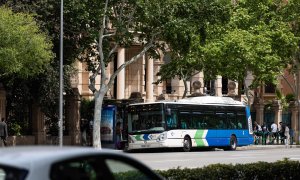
(61, 83)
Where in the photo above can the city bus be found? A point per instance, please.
(205, 121)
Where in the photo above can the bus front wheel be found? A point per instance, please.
(233, 144)
(187, 144)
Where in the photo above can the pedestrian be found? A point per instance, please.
(274, 132)
(291, 135)
(84, 128)
(118, 135)
(282, 132)
(265, 133)
(3, 131)
(287, 135)
(257, 132)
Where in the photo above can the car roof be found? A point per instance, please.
(26, 156)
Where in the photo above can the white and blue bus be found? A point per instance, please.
(205, 121)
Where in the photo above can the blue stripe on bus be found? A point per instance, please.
(222, 137)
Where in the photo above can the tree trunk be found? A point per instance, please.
(185, 88)
(99, 96)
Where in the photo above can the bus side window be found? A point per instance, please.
(242, 120)
(184, 118)
(231, 119)
(172, 121)
(183, 125)
(169, 121)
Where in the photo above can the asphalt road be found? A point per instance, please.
(163, 160)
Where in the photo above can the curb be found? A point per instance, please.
(267, 147)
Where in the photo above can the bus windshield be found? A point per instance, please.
(146, 119)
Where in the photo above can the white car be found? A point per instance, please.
(69, 163)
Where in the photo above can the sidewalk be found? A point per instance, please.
(275, 146)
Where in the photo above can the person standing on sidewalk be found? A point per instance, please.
(257, 132)
(291, 135)
(265, 133)
(287, 136)
(282, 132)
(274, 132)
(3, 131)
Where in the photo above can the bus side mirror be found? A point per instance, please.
(168, 112)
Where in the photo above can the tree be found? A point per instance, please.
(256, 39)
(25, 51)
(124, 23)
(291, 14)
(182, 67)
(80, 30)
(184, 38)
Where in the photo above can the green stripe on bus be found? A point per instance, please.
(199, 134)
(198, 138)
(199, 142)
(138, 137)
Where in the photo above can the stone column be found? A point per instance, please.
(121, 75)
(2, 102)
(149, 79)
(294, 120)
(259, 107)
(218, 86)
(38, 124)
(158, 89)
(278, 111)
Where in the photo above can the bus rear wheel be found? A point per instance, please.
(187, 144)
(232, 144)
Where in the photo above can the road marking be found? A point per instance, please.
(250, 154)
(246, 157)
(178, 160)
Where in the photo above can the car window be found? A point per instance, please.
(122, 170)
(9, 173)
(100, 167)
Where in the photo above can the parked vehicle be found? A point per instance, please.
(53, 163)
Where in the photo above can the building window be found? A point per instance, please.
(270, 88)
(169, 86)
(224, 85)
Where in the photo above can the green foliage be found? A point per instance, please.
(290, 97)
(129, 175)
(14, 129)
(189, 30)
(256, 39)
(284, 100)
(285, 169)
(44, 86)
(87, 109)
(25, 50)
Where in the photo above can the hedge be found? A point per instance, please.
(284, 169)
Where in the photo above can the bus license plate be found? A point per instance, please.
(145, 145)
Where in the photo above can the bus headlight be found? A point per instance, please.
(162, 137)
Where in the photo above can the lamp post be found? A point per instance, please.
(61, 83)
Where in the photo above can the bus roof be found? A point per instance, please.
(205, 100)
